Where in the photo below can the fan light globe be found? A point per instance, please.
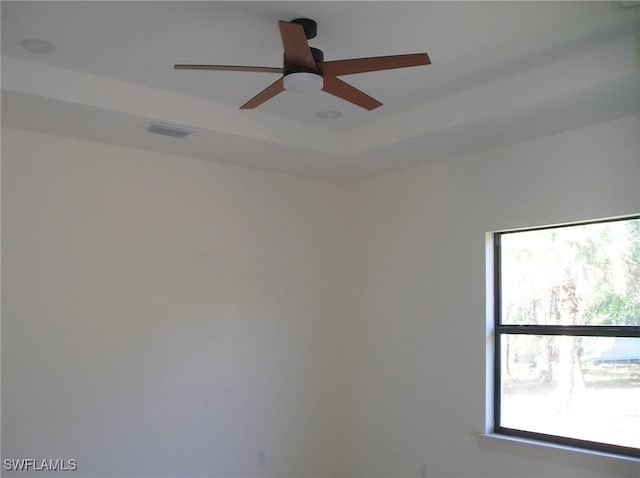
(303, 82)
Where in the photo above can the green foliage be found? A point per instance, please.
(598, 265)
(614, 309)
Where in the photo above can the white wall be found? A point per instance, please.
(416, 315)
(169, 317)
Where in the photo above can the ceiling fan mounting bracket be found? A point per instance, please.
(309, 26)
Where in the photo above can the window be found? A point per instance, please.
(567, 335)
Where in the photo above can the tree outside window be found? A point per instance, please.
(568, 334)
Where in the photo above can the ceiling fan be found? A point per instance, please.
(304, 69)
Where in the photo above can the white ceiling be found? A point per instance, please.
(501, 72)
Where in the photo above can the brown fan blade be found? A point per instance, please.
(296, 47)
(269, 92)
(257, 69)
(349, 93)
(376, 63)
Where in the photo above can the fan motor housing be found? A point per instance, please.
(318, 57)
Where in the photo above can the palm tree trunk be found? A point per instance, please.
(570, 376)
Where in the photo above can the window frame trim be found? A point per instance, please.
(566, 330)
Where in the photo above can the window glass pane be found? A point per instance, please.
(586, 388)
(577, 275)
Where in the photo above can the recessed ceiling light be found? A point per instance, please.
(329, 114)
(34, 45)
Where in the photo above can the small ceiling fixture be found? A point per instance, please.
(329, 114)
(168, 129)
(35, 45)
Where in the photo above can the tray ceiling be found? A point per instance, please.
(501, 72)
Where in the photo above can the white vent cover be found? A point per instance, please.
(169, 129)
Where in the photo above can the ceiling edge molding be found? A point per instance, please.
(615, 61)
(76, 87)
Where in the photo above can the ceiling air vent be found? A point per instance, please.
(169, 129)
